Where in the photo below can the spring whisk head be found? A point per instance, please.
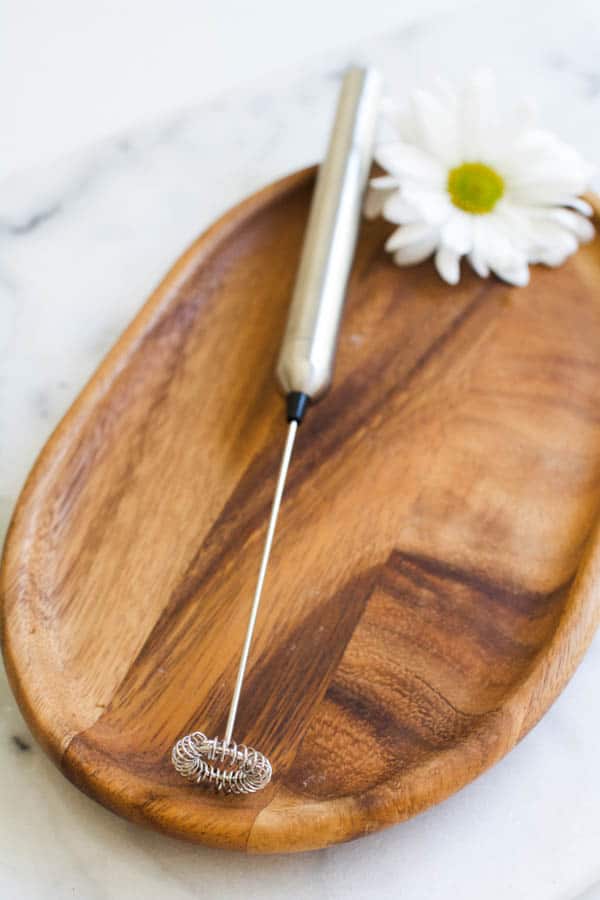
(228, 767)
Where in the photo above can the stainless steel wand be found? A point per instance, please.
(304, 372)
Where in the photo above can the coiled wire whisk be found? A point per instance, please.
(228, 767)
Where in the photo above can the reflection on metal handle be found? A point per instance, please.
(308, 349)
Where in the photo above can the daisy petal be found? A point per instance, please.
(478, 264)
(550, 257)
(457, 232)
(581, 205)
(416, 253)
(479, 123)
(544, 191)
(436, 126)
(383, 183)
(446, 93)
(433, 206)
(404, 160)
(408, 234)
(398, 210)
(581, 227)
(493, 244)
(447, 264)
(374, 202)
(400, 120)
(517, 275)
(553, 238)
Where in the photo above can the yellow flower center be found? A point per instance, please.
(475, 187)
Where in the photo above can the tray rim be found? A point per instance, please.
(518, 713)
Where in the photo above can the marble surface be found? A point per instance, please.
(82, 243)
(162, 56)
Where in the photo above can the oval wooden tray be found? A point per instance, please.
(435, 576)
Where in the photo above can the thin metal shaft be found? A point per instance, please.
(283, 470)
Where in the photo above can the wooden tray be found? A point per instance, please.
(435, 577)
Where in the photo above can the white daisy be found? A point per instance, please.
(461, 183)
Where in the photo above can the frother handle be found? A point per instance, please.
(307, 353)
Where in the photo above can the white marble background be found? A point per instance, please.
(82, 243)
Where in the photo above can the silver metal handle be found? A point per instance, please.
(306, 357)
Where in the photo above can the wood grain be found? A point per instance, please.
(434, 581)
